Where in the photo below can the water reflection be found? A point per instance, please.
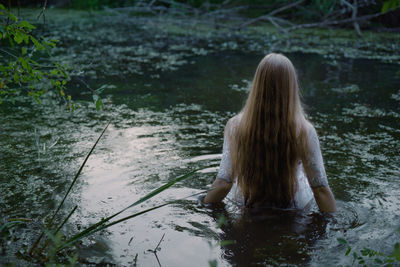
(269, 236)
(161, 128)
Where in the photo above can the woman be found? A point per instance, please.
(271, 152)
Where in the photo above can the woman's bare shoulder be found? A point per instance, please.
(310, 129)
(235, 119)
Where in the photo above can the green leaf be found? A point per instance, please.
(342, 241)
(26, 25)
(99, 104)
(2, 7)
(23, 51)
(26, 38)
(36, 98)
(16, 77)
(38, 45)
(390, 5)
(385, 6)
(226, 242)
(54, 72)
(348, 250)
(212, 263)
(18, 37)
(396, 251)
(12, 17)
(11, 41)
(366, 252)
(51, 44)
(25, 64)
(221, 221)
(377, 260)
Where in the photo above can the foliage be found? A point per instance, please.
(366, 255)
(20, 71)
(326, 13)
(390, 5)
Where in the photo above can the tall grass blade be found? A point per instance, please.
(9, 225)
(83, 235)
(69, 190)
(58, 229)
(79, 171)
(65, 220)
(162, 188)
(101, 224)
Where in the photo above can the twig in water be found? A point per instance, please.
(155, 250)
(157, 259)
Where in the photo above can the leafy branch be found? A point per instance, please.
(20, 74)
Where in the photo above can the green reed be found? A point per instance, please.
(103, 223)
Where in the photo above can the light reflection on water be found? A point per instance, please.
(146, 147)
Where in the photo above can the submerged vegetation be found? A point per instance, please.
(369, 257)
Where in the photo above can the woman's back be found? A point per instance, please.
(270, 147)
(312, 160)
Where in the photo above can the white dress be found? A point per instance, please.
(310, 170)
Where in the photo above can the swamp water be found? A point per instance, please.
(167, 122)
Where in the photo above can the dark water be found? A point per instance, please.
(165, 126)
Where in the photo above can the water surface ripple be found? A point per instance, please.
(162, 128)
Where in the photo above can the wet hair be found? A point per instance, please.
(267, 142)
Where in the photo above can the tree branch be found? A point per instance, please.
(270, 15)
(334, 22)
(42, 12)
(354, 9)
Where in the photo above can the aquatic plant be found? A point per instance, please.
(53, 231)
(367, 256)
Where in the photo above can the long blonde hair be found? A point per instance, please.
(267, 143)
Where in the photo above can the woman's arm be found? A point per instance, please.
(223, 183)
(325, 199)
(219, 189)
(315, 171)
